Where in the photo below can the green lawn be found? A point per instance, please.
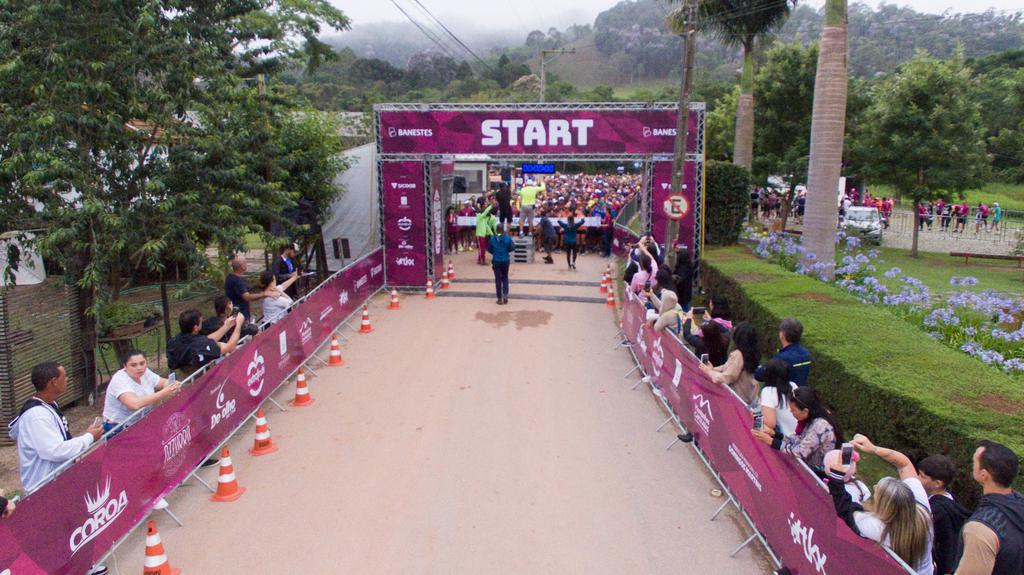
(1009, 196)
(935, 269)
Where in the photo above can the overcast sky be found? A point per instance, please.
(531, 14)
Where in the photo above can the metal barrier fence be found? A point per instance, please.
(629, 211)
(1009, 229)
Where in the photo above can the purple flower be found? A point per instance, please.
(893, 273)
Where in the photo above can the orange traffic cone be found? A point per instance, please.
(610, 302)
(365, 326)
(227, 486)
(335, 358)
(451, 271)
(156, 559)
(394, 300)
(604, 283)
(263, 444)
(430, 289)
(302, 396)
(444, 280)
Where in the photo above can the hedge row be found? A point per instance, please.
(884, 377)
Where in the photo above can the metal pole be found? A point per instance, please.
(543, 62)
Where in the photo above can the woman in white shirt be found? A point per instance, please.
(276, 304)
(132, 388)
(899, 516)
(776, 394)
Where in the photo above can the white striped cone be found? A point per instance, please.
(394, 300)
(227, 485)
(364, 326)
(156, 558)
(444, 280)
(302, 396)
(430, 289)
(263, 443)
(335, 357)
(451, 271)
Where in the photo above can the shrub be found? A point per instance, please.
(728, 195)
(885, 377)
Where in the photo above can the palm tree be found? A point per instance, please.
(741, 23)
(828, 123)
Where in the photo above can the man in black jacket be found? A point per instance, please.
(283, 268)
(936, 472)
(993, 539)
(188, 351)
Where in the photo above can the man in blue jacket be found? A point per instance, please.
(796, 355)
(500, 246)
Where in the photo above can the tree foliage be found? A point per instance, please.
(728, 196)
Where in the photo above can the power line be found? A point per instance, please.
(454, 37)
(430, 35)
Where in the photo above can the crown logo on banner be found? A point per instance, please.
(101, 497)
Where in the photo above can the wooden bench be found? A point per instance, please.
(967, 257)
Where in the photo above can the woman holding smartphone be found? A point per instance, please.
(132, 388)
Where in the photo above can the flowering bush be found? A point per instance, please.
(984, 325)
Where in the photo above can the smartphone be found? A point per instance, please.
(172, 377)
(704, 358)
(97, 421)
(647, 285)
(847, 453)
(698, 312)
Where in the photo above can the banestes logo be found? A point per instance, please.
(223, 408)
(410, 132)
(103, 510)
(655, 132)
(255, 372)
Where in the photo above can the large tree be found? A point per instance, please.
(923, 134)
(742, 23)
(108, 113)
(828, 123)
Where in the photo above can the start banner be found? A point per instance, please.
(788, 505)
(71, 522)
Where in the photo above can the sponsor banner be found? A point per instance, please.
(437, 218)
(72, 521)
(788, 504)
(661, 189)
(621, 238)
(532, 132)
(405, 223)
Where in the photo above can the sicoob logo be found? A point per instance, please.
(103, 511)
(256, 372)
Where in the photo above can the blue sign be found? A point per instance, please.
(538, 168)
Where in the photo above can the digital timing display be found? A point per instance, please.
(538, 168)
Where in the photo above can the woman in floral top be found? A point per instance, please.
(817, 432)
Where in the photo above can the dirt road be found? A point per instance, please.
(466, 437)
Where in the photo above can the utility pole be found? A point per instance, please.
(689, 40)
(543, 77)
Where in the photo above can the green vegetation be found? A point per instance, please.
(935, 269)
(728, 196)
(1010, 196)
(883, 376)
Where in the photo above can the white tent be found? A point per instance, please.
(354, 216)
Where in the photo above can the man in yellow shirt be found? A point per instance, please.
(527, 201)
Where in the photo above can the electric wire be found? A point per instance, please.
(430, 35)
(450, 33)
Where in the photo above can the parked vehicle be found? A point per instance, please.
(864, 222)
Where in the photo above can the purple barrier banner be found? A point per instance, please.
(787, 504)
(661, 189)
(532, 132)
(72, 521)
(621, 238)
(405, 223)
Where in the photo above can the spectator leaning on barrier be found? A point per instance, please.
(776, 395)
(132, 388)
(235, 288)
(188, 351)
(817, 432)
(936, 472)
(710, 339)
(276, 305)
(6, 506)
(898, 516)
(855, 488)
(223, 307)
(993, 538)
(668, 315)
(684, 277)
(738, 371)
(41, 430)
(796, 355)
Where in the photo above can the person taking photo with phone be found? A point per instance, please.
(132, 388)
(189, 351)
